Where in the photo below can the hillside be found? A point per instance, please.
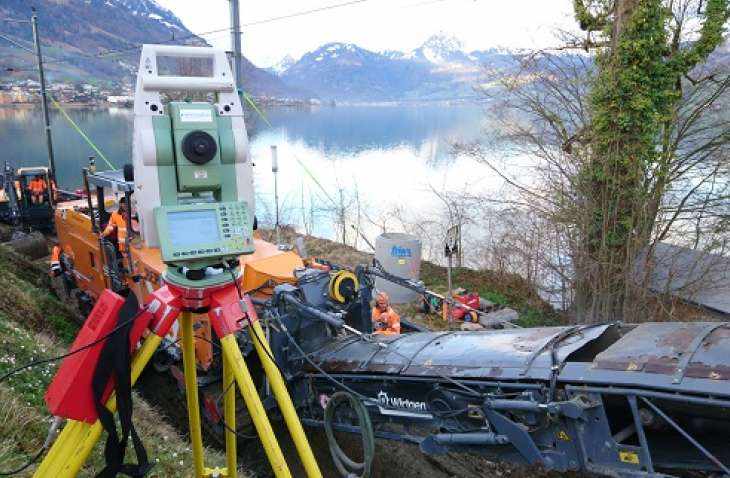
(81, 43)
(439, 69)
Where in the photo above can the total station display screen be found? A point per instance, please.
(188, 66)
(188, 228)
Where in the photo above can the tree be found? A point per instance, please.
(634, 104)
(629, 143)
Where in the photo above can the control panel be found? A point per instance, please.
(190, 232)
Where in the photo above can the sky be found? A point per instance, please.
(377, 24)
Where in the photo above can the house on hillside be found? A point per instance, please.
(698, 279)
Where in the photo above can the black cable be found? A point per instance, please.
(35, 363)
(314, 364)
(344, 464)
(248, 319)
(223, 422)
(30, 462)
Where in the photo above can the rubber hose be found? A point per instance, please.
(345, 465)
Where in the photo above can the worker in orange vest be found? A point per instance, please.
(37, 189)
(385, 320)
(118, 223)
(56, 261)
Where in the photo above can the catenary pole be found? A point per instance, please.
(44, 94)
(236, 44)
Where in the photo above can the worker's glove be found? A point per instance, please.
(379, 325)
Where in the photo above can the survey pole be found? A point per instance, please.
(275, 170)
(44, 95)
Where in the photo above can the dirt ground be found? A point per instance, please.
(393, 459)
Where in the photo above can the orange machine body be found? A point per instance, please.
(81, 249)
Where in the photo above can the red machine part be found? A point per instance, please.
(226, 313)
(70, 394)
(470, 300)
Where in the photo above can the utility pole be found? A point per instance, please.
(44, 95)
(236, 44)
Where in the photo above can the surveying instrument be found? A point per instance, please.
(194, 197)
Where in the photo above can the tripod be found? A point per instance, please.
(227, 312)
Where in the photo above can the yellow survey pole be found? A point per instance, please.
(232, 353)
(74, 444)
(191, 392)
(286, 406)
(229, 418)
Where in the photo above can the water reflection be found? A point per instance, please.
(387, 156)
(23, 141)
(349, 130)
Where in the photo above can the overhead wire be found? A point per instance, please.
(81, 133)
(303, 13)
(116, 51)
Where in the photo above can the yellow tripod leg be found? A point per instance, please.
(74, 444)
(240, 371)
(285, 404)
(191, 392)
(229, 418)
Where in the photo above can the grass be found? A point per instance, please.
(34, 325)
(26, 298)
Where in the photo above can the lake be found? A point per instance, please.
(382, 162)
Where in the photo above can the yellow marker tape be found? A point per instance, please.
(629, 457)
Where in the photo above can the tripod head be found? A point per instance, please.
(193, 177)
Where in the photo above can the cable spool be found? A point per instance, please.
(343, 286)
(345, 465)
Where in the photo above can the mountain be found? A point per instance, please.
(283, 65)
(438, 69)
(97, 40)
(442, 49)
(344, 71)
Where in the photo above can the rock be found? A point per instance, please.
(486, 305)
(498, 316)
(471, 326)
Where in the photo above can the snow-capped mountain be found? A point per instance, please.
(439, 68)
(344, 71)
(281, 66)
(441, 49)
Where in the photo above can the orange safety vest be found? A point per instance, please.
(391, 321)
(37, 186)
(117, 221)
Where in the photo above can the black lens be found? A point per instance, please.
(199, 147)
